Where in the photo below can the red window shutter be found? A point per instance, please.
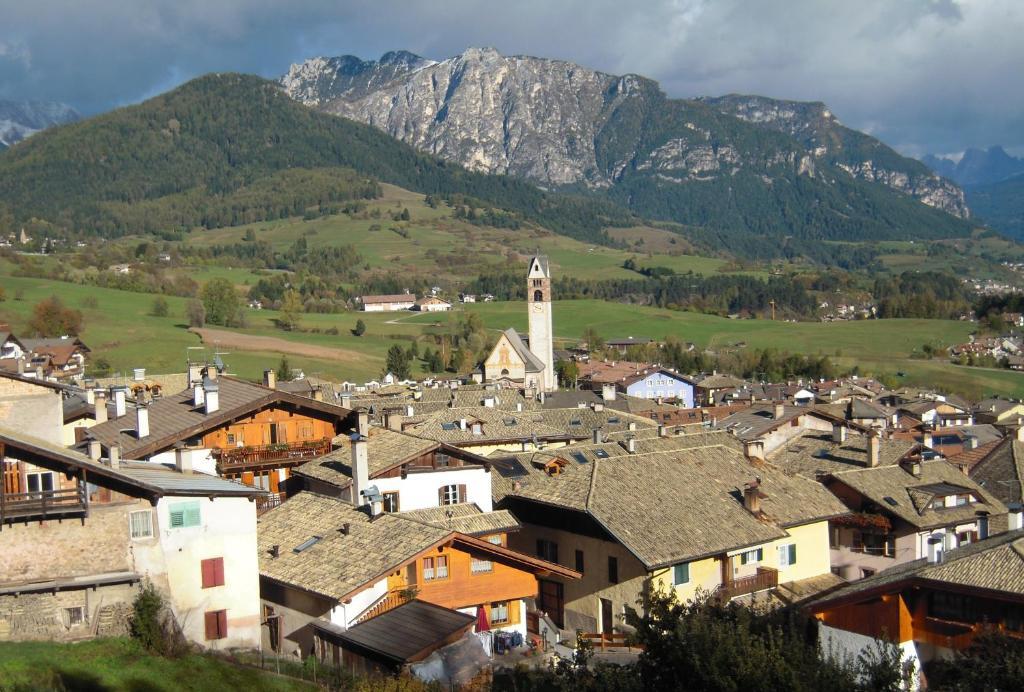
(462, 492)
(222, 623)
(218, 571)
(211, 625)
(440, 495)
(207, 569)
(213, 572)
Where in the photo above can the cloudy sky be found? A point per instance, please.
(923, 75)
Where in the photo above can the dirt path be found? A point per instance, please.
(223, 338)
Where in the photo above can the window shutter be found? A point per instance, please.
(760, 554)
(440, 496)
(211, 625)
(462, 493)
(177, 518)
(681, 574)
(192, 514)
(206, 567)
(792, 553)
(222, 623)
(218, 571)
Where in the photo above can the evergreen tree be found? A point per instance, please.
(397, 362)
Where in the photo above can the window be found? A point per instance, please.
(213, 572)
(681, 574)
(184, 514)
(547, 550)
(391, 501)
(451, 494)
(938, 503)
(495, 539)
(74, 616)
(755, 555)
(538, 296)
(141, 523)
(435, 568)
(231, 438)
(787, 555)
(579, 561)
(499, 613)
(613, 570)
(478, 566)
(39, 482)
(216, 624)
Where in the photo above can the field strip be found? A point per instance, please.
(223, 338)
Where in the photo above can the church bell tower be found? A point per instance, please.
(538, 298)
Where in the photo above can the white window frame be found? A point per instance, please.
(131, 524)
(499, 607)
(752, 557)
(451, 495)
(478, 566)
(39, 475)
(441, 570)
(784, 551)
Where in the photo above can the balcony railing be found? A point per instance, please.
(389, 601)
(253, 456)
(43, 504)
(766, 578)
(267, 502)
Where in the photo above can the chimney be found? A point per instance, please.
(462, 424)
(982, 525)
(141, 421)
(114, 456)
(182, 459)
(540, 397)
(275, 550)
(488, 402)
(662, 432)
(21, 366)
(346, 400)
(345, 528)
(95, 450)
(1015, 516)
(935, 549)
(270, 378)
(631, 444)
(90, 396)
(971, 442)
(926, 439)
(598, 406)
(119, 406)
(754, 449)
(363, 423)
(752, 496)
(838, 433)
(318, 394)
(195, 374)
(101, 407)
(394, 421)
(874, 447)
(1020, 433)
(631, 425)
(198, 394)
(608, 392)
(409, 411)
(360, 469)
(779, 411)
(139, 374)
(597, 436)
(211, 394)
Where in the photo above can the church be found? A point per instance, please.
(528, 365)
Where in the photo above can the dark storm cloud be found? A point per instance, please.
(924, 75)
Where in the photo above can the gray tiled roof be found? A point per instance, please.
(814, 453)
(465, 518)
(1002, 471)
(385, 449)
(533, 363)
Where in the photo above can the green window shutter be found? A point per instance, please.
(760, 554)
(184, 514)
(792, 553)
(681, 574)
(177, 518)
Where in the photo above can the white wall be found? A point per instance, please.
(419, 490)
(202, 460)
(845, 645)
(344, 614)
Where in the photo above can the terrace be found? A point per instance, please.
(257, 455)
(44, 504)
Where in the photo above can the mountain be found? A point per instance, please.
(20, 119)
(717, 163)
(977, 166)
(1001, 205)
(228, 148)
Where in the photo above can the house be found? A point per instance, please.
(11, 348)
(222, 425)
(61, 358)
(709, 387)
(896, 501)
(467, 298)
(432, 304)
(327, 565)
(32, 406)
(998, 411)
(1001, 469)
(387, 303)
(687, 513)
(659, 383)
(772, 425)
(931, 607)
(81, 533)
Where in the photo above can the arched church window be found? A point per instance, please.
(538, 296)
(504, 372)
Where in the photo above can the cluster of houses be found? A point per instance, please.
(1009, 348)
(60, 358)
(433, 302)
(376, 529)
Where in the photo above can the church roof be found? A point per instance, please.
(533, 363)
(543, 261)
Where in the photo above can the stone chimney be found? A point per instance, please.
(598, 437)
(608, 392)
(874, 448)
(360, 469)
(631, 444)
(754, 449)
(1015, 516)
(346, 400)
(119, 402)
(394, 421)
(182, 459)
(211, 394)
(101, 406)
(752, 496)
(779, 411)
(838, 433)
(141, 421)
(363, 424)
(270, 378)
(114, 456)
(95, 450)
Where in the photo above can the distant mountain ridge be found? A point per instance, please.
(977, 166)
(560, 124)
(21, 119)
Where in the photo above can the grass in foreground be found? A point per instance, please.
(121, 664)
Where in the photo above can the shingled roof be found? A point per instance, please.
(697, 489)
(813, 454)
(176, 418)
(1001, 472)
(385, 450)
(532, 362)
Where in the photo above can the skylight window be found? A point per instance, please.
(580, 457)
(306, 544)
(576, 422)
(601, 453)
(448, 426)
(614, 419)
(890, 500)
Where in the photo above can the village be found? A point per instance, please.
(450, 527)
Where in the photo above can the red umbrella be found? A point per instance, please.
(481, 620)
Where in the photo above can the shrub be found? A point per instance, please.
(153, 626)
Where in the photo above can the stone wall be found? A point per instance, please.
(45, 616)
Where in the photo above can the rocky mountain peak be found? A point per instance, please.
(21, 119)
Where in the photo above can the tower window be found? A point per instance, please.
(538, 296)
(538, 282)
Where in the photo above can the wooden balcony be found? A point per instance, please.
(45, 504)
(267, 502)
(766, 578)
(389, 601)
(262, 455)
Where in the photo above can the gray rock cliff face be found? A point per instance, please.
(557, 123)
(21, 119)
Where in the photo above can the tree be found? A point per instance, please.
(404, 216)
(568, 372)
(221, 301)
(594, 340)
(397, 362)
(291, 309)
(360, 328)
(195, 311)
(51, 318)
(284, 369)
(160, 308)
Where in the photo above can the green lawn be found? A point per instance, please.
(120, 664)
